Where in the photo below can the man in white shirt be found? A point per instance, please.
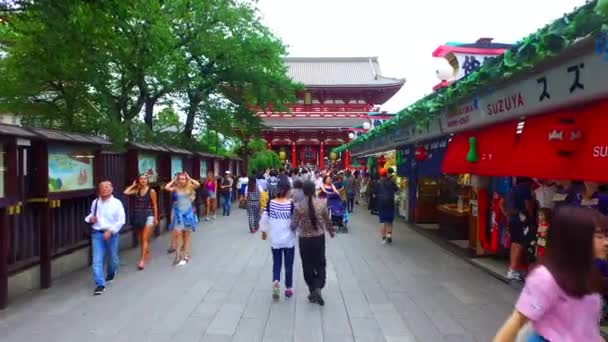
(107, 218)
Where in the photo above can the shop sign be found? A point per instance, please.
(600, 151)
(577, 80)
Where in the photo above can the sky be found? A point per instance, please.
(403, 33)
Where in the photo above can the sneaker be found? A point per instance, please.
(389, 238)
(110, 278)
(207, 218)
(214, 217)
(182, 263)
(513, 275)
(288, 293)
(275, 290)
(318, 298)
(170, 250)
(384, 240)
(99, 290)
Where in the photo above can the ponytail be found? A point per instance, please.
(311, 212)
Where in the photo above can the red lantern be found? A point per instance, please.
(421, 153)
(381, 161)
(362, 161)
(566, 136)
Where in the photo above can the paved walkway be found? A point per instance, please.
(410, 291)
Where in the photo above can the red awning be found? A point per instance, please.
(495, 147)
(569, 145)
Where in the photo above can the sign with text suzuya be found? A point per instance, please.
(70, 169)
(578, 80)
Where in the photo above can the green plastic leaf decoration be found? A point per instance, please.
(508, 61)
(601, 8)
(472, 156)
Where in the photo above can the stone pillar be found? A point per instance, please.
(294, 159)
(321, 155)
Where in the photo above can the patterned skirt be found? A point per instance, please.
(253, 210)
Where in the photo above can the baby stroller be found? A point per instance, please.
(338, 213)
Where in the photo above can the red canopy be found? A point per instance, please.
(495, 147)
(566, 145)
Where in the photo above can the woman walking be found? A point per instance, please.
(276, 220)
(253, 192)
(211, 189)
(145, 214)
(561, 297)
(311, 220)
(184, 218)
(328, 187)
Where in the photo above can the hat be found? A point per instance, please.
(227, 172)
(382, 172)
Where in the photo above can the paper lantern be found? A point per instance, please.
(444, 70)
(472, 156)
(421, 153)
(381, 161)
(366, 125)
(351, 135)
(333, 156)
(566, 137)
(282, 155)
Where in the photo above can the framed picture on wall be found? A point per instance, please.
(146, 164)
(203, 168)
(177, 165)
(70, 169)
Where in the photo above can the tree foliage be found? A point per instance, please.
(101, 66)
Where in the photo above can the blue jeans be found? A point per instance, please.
(101, 250)
(226, 202)
(277, 261)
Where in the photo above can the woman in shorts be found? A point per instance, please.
(145, 214)
(184, 217)
(211, 189)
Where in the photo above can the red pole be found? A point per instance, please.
(321, 156)
(294, 159)
(346, 159)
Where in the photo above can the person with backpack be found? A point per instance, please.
(276, 221)
(144, 214)
(226, 193)
(384, 197)
(273, 184)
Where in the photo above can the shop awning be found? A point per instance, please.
(565, 145)
(494, 148)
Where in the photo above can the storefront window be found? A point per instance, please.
(2, 169)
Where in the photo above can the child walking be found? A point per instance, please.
(276, 221)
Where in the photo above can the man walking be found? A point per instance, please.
(385, 202)
(226, 193)
(107, 218)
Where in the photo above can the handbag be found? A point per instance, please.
(87, 233)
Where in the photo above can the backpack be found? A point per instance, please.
(273, 187)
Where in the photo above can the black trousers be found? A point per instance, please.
(312, 253)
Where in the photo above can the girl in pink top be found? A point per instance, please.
(561, 297)
(211, 192)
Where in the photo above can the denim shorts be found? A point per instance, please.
(211, 194)
(149, 220)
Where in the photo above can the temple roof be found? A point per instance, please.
(316, 123)
(339, 72)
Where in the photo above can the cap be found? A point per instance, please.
(382, 172)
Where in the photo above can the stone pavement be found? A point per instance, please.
(411, 290)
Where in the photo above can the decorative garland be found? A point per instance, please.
(546, 43)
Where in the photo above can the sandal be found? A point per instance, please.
(140, 265)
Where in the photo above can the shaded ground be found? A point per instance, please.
(412, 290)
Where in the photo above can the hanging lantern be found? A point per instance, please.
(366, 125)
(333, 156)
(381, 161)
(472, 156)
(421, 153)
(351, 135)
(282, 155)
(566, 136)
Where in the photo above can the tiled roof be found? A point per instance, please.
(313, 122)
(339, 72)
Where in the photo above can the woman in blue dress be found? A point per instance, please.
(184, 217)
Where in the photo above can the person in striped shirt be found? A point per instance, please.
(276, 222)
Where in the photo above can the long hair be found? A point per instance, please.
(309, 189)
(569, 255)
(252, 184)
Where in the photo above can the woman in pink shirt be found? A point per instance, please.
(561, 297)
(211, 189)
